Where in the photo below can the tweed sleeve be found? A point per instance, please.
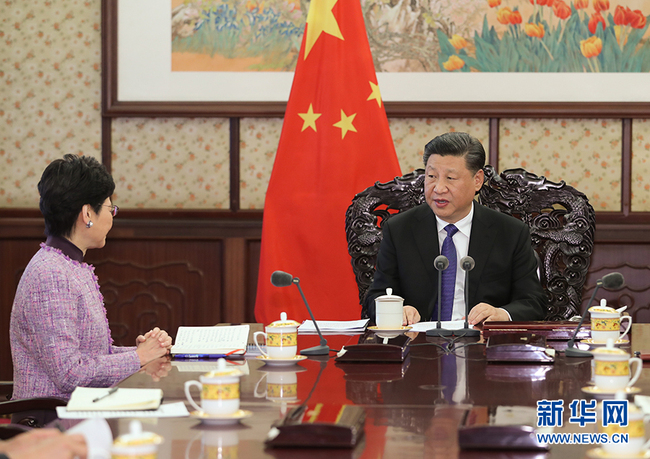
(65, 335)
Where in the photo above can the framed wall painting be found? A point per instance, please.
(139, 77)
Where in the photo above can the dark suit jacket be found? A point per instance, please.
(505, 274)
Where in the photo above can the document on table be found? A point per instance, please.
(446, 324)
(204, 342)
(336, 326)
(169, 410)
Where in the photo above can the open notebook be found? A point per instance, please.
(112, 399)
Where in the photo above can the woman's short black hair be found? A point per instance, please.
(66, 186)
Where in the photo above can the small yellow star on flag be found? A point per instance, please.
(375, 94)
(346, 124)
(321, 19)
(309, 118)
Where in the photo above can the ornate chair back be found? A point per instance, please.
(560, 218)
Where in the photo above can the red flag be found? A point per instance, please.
(335, 142)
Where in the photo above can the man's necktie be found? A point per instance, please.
(449, 274)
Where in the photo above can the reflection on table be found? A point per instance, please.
(413, 408)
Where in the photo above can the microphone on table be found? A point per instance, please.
(282, 279)
(440, 263)
(467, 264)
(611, 281)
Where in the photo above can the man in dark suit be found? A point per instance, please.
(503, 285)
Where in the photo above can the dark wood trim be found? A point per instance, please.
(626, 167)
(234, 279)
(621, 218)
(107, 142)
(109, 54)
(117, 109)
(234, 164)
(151, 214)
(494, 143)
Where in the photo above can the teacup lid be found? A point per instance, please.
(136, 437)
(602, 307)
(223, 370)
(389, 296)
(283, 322)
(609, 351)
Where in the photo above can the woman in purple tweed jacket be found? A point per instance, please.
(59, 331)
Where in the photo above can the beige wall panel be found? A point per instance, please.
(180, 163)
(586, 153)
(258, 143)
(410, 135)
(641, 166)
(50, 80)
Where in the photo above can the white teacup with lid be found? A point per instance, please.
(612, 368)
(136, 444)
(281, 338)
(606, 323)
(635, 431)
(219, 390)
(388, 311)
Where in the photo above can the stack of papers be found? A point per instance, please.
(334, 326)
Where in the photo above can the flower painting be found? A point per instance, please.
(557, 36)
(423, 35)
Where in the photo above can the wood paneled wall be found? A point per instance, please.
(169, 272)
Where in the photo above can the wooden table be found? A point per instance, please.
(413, 410)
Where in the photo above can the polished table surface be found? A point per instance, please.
(412, 409)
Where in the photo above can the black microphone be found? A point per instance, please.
(440, 263)
(282, 279)
(611, 281)
(467, 264)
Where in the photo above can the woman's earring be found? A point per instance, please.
(89, 224)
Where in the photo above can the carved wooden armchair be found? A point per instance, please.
(560, 218)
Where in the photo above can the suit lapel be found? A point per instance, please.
(425, 234)
(481, 242)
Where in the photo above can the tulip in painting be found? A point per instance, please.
(454, 63)
(591, 47)
(534, 30)
(458, 42)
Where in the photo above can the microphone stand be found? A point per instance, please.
(322, 348)
(467, 264)
(440, 265)
(572, 351)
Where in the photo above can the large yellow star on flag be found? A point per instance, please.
(321, 19)
(375, 94)
(309, 118)
(346, 124)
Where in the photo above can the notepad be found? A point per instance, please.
(122, 399)
(210, 342)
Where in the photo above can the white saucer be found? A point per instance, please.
(221, 420)
(278, 362)
(401, 329)
(598, 391)
(591, 342)
(598, 453)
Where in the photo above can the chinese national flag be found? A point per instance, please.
(335, 142)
